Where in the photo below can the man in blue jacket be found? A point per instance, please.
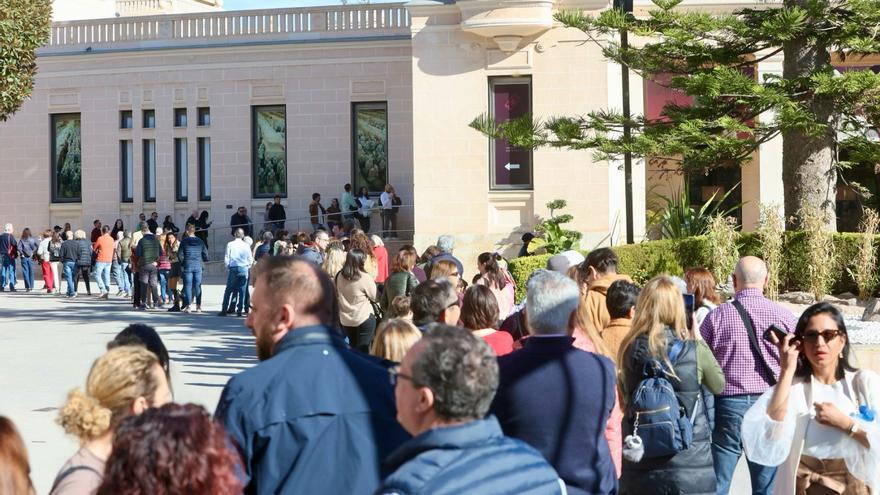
(558, 398)
(314, 416)
(443, 390)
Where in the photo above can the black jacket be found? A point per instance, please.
(243, 222)
(690, 471)
(70, 251)
(276, 212)
(84, 252)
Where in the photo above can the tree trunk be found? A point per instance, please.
(809, 172)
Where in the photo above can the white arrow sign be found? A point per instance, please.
(512, 166)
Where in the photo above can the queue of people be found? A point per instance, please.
(419, 382)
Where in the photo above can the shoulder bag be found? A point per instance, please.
(753, 342)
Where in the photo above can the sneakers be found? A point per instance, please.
(186, 310)
(119, 293)
(198, 309)
(174, 309)
(105, 295)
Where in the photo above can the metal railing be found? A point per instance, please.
(254, 24)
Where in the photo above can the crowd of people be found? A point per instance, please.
(389, 373)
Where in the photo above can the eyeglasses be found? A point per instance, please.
(827, 336)
(394, 374)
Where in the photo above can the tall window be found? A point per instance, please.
(204, 169)
(125, 119)
(269, 151)
(66, 158)
(510, 167)
(204, 116)
(179, 117)
(126, 171)
(149, 119)
(149, 170)
(370, 145)
(181, 169)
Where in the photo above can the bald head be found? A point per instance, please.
(307, 288)
(750, 273)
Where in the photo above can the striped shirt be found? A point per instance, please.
(726, 334)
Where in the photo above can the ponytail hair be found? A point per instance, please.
(489, 261)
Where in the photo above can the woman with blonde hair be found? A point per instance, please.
(15, 470)
(124, 381)
(393, 338)
(334, 258)
(659, 330)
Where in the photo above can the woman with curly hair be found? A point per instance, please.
(125, 381)
(172, 450)
(361, 241)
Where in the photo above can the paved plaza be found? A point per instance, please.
(50, 342)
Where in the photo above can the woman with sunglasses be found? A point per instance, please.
(818, 422)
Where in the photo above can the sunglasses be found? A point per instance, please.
(827, 336)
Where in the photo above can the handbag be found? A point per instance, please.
(753, 342)
(377, 310)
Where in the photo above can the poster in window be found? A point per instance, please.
(370, 146)
(270, 151)
(512, 165)
(67, 157)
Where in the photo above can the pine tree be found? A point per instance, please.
(24, 27)
(713, 58)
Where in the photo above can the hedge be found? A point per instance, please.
(645, 260)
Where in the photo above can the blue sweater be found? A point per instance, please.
(558, 398)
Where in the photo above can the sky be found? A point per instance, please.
(274, 4)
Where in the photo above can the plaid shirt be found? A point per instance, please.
(726, 334)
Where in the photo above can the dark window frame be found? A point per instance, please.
(144, 113)
(126, 172)
(147, 175)
(181, 171)
(353, 137)
(254, 195)
(52, 159)
(203, 165)
(178, 122)
(493, 185)
(126, 116)
(200, 112)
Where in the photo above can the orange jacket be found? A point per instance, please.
(104, 248)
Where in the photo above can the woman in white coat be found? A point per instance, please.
(818, 422)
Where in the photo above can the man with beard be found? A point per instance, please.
(314, 416)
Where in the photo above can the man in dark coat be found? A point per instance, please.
(558, 398)
(444, 387)
(153, 222)
(314, 416)
(241, 220)
(277, 215)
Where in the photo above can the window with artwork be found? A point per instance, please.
(269, 151)
(204, 169)
(149, 119)
(125, 119)
(181, 169)
(509, 167)
(66, 158)
(150, 170)
(179, 117)
(126, 171)
(370, 145)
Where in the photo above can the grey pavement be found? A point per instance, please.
(48, 344)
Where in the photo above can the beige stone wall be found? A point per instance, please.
(451, 161)
(318, 83)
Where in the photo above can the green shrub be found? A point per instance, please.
(650, 258)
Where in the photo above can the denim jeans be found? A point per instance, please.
(7, 275)
(27, 272)
(69, 268)
(727, 445)
(102, 275)
(122, 277)
(192, 286)
(163, 284)
(236, 281)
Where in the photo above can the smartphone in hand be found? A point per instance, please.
(775, 330)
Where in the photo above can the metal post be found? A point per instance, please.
(627, 7)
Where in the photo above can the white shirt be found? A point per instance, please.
(821, 441)
(385, 198)
(238, 254)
